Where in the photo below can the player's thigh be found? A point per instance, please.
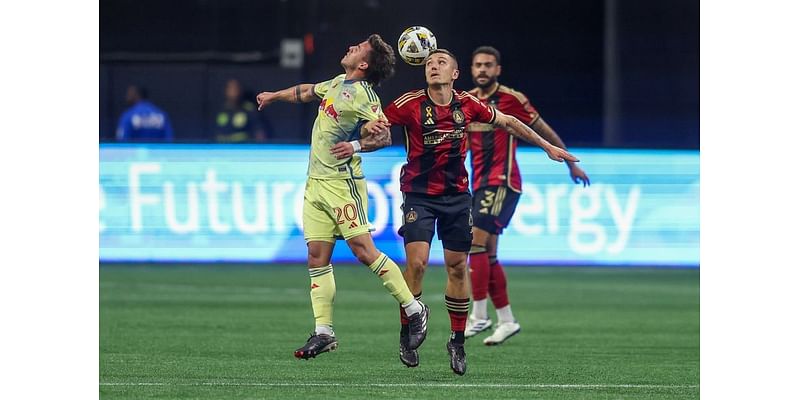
(346, 200)
(318, 225)
(491, 245)
(418, 219)
(455, 222)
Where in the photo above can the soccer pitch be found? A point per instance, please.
(229, 331)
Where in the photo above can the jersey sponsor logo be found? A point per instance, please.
(480, 127)
(328, 109)
(147, 121)
(314, 286)
(439, 136)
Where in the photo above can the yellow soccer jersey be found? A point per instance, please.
(346, 105)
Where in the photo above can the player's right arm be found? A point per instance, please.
(302, 93)
(518, 129)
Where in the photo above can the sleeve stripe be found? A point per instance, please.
(370, 93)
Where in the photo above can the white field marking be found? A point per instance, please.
(443, 385)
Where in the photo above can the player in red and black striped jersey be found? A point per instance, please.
(496, 186)
(435, 184)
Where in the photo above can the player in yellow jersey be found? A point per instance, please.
(336, 193)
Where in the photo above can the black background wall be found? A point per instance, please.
(555, 52)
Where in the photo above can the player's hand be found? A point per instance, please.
(578, 176)
(342, 150)
(264, 99)
(375, 127)
(559, 154)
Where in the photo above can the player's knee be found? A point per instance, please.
(417, 264)
(457, 271)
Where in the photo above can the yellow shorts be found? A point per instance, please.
(334, 208)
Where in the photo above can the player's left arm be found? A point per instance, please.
(519, 130)
(577, 174)
(374, 130)
(375, 135)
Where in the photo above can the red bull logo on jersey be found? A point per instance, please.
(327, 107)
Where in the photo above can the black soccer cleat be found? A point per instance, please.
(316, 345)
(418, 327)
(409, 357)
(458, 358)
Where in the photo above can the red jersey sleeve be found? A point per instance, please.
(480, 112)
(521, 108)
(394, 114)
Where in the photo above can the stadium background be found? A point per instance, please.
(617, 79)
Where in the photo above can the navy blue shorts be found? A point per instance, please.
(493, 207)
(450, 213)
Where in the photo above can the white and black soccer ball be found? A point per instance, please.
(415, 44)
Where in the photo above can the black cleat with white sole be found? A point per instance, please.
(418, 327)
(458, 358)
(409, 357)
(316, 345)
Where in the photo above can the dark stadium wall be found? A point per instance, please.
(552, 51)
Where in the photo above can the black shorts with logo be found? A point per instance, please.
(493, 207)
(450, 213)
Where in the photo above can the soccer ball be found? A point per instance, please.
(415, 44)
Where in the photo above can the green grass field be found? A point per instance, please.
(228, 332)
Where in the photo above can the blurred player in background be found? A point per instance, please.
(496, 187)
(237, 121)
(143, 121)
(435, 186)
(335, 202)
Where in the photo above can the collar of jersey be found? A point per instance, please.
(452, 99)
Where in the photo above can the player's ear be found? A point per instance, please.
(363, 66)
(455, 74)
(499, 69)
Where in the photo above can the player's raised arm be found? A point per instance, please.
(301, 93)
(516, 128)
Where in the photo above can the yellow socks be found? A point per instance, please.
(323, 290)
(392, 278)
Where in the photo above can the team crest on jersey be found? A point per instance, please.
(411, 216)
(347, 94)
(374, 107)
(458, 117)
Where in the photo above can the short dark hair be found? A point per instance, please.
(487, 50)
(445, 51)
(381, 60)
(140, 90)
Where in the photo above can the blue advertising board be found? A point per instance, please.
(211, 203)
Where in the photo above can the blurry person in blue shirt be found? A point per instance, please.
(143, 121)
